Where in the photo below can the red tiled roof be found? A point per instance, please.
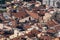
(13, 23)
(51, 23)
(27, 27)
(57, 27)
(20, 14)
(32, 14)
(46, 38)
(35, 31)
(1, 32)
(1, 37)
(51, 31)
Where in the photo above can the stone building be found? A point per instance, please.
(51, 2)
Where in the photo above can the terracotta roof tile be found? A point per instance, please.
(51, 31)
(27, 27)
(32, 14)
(19, 14)
(57, 27)
(51, 23)
(47, 38)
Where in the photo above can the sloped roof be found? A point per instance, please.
(19, 14)
(32, 14)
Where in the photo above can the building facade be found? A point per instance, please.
(50, 2)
